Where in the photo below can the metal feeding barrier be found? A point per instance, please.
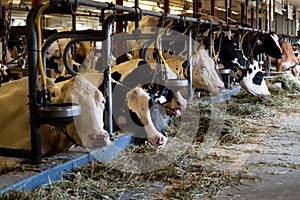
(41, 109)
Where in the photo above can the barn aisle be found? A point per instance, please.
(272, 158)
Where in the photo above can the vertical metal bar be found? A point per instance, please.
(4, 40)
(213, 8)
(33, 86)
(252, 17)
(73, 22)
(195, 8)
(119, 29)
(210, 43)
(226, 10)
(246, 9)
(36, 3)
(166, 6)
(257, 15)
(242, 12)
(190, 68)
(107, 50)
(268, 64)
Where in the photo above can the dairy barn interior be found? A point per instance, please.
(166, 99)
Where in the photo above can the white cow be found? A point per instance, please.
(55, 52)
(87, 129)
(204, 75)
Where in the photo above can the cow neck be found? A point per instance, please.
(244, 71)
(252, 49)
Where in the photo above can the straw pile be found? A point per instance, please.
(191, 171)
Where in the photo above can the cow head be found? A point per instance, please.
(229, 53)
(266, 43)
(138, 101)
(251, 79)
(172, 101)
(89, 125)
(205, 73)
(4, 74)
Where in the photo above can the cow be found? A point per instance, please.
(4, 74)
(87, 129)
(54, 57)
(289, 59)
(204, 73)
(138, 75)
(242, 62)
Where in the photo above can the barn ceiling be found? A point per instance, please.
(177, 6)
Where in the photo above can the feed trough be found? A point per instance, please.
(59, 114)
(176, 84)
(225, 74)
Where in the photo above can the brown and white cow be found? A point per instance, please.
(205, 76)
(87, 128)
(289, 59)
(55, 56)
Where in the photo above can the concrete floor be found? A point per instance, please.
(275, 161)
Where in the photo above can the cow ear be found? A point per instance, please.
(259, 42)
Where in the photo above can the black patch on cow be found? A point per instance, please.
(228, 51)
(156, 115)
(185, 64)
(135, 118)
(52, 65)
(250, 70)
(258, 78)
(116, 76)
(62, 78)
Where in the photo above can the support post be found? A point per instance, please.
(4, 39)
(166, 6)
(242, 12)
(190, 68)
(213, 7)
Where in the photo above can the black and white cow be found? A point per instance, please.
(4, 74)
(134, 81)
(245, 68)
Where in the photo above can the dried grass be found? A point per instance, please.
(193, 174)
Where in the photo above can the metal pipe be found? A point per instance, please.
(195, 8)
(257, 15)
(268, 60)
(119, 29)
(73, 22)
(190, 67)
(107, 46)
(36, 3)
(4, 39)
(246, 9)
(145, 12)
(67, 34)
(167, 6)
(213, 8)
(33, 85)
(242, 12)
(252, 18)
(97, 36)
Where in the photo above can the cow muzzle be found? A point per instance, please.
(99, 139)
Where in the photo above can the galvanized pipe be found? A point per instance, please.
(189, 67)
(107, 46)
(68, 34)
(95, 36)
(144, 12)
(33, 85)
